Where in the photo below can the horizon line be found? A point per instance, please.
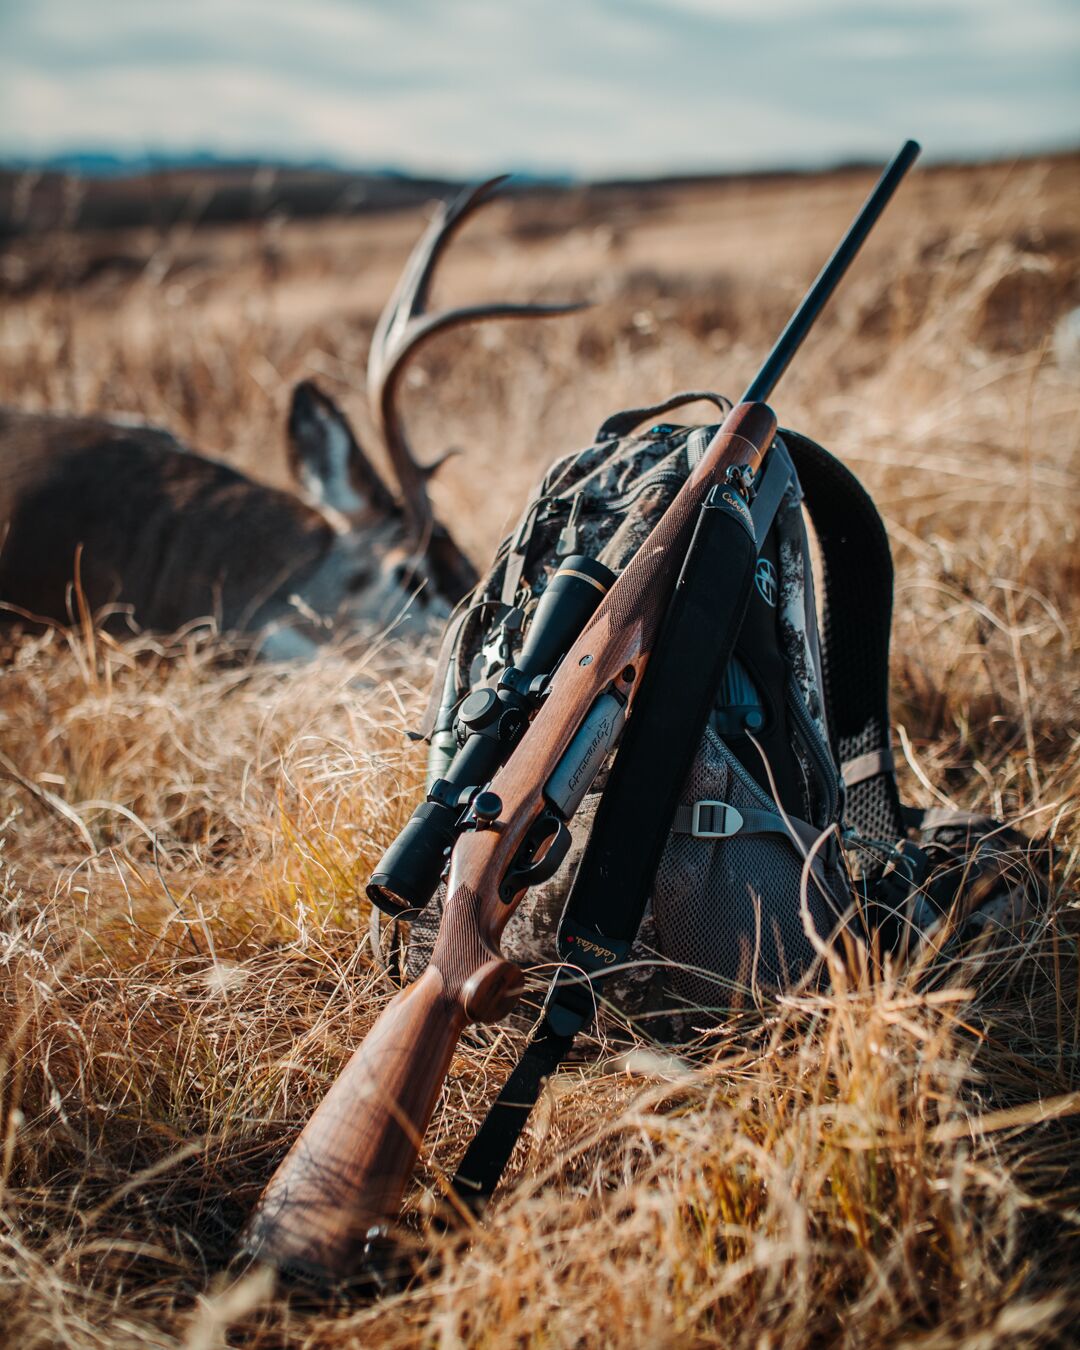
(101, 162)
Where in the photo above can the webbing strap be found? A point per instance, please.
(486, 1157)
(519, 549)
(752, 820)
(862, 767)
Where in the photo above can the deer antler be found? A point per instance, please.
(404, 326)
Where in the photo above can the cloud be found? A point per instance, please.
(595, 86)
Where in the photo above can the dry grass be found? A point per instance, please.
(183, 959)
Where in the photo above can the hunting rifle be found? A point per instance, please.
(326, 1212)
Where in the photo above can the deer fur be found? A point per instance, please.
(167, 537)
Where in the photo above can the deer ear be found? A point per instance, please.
(326, 458)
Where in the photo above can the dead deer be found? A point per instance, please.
(168, 536)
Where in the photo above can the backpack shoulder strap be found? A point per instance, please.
(857, 577)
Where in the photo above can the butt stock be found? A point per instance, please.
(343, 1179)
(346, 1172)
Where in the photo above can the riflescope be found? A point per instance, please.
(475, 740)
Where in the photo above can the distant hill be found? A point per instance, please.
(98, 163)
(104, 191)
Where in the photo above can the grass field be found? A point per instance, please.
(184, 961)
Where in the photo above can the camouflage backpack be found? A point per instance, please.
(792, 795)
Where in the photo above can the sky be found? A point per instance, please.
(589, 87)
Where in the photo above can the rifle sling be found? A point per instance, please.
(609, 892)
(485, 1159)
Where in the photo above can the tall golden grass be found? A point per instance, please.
(184, 957)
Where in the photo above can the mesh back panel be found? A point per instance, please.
(732, 906)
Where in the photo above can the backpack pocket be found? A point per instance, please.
(731, 912)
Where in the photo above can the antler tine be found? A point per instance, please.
(404, 326)
(411, 293)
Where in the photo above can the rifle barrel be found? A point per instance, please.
(800, 323)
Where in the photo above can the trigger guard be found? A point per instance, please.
(543, 869)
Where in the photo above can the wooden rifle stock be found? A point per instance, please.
(346, 1173)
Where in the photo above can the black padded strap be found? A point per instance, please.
(695, 643)
(611, 888)
(857, 576)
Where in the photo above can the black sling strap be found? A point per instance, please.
(569, 1008)
(610, 891)
(693, 648)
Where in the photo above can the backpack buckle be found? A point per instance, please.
(714, 820)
